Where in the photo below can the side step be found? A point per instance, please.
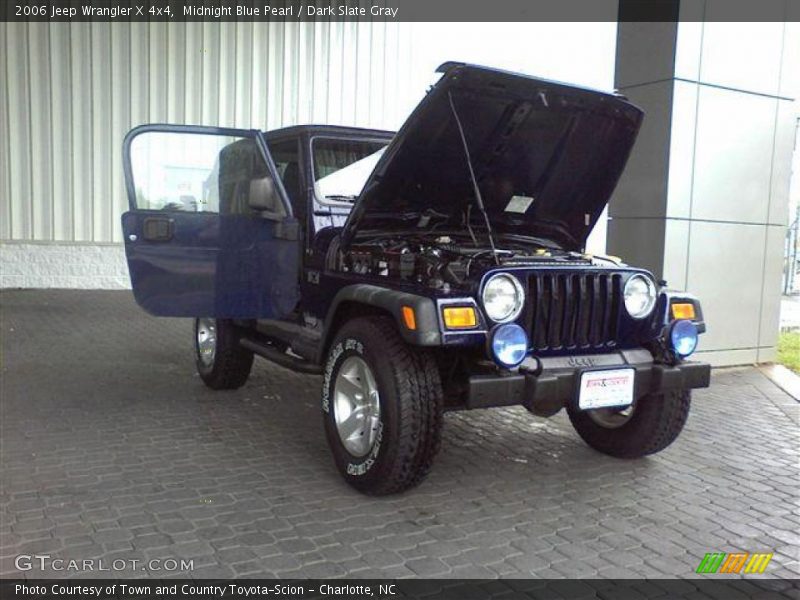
(285, 360)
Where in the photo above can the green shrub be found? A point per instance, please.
(789, 350)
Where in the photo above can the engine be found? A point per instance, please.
(440, 262)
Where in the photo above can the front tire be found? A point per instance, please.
(382, 407)
(654, 422)
(221, 362)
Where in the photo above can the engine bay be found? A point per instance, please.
(444, 263)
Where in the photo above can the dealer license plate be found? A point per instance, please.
(607, 388)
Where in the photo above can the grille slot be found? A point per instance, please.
(574, 310)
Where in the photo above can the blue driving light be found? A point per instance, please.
(683, 337)
(509, 345)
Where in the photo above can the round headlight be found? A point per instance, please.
(683, 337)
(640, 296)
(509, 345)
(503, 298)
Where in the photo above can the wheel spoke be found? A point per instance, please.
(369, 384)
(356, 406)
(363, 377)
(349, 387)
(352, 426)
(206, 341)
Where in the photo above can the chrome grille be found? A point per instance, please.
(574, 310)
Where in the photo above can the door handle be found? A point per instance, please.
(158, 229)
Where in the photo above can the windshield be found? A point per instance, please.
(341, 167)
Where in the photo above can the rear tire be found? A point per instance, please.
(221, 362)
(399, 430)
(654, 423)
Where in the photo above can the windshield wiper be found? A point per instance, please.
(341, 197)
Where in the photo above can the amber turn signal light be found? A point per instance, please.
(460, 317)
(409, 318)
(683, 311)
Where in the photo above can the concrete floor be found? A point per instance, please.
(112, 448)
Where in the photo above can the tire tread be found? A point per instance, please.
(659, 421)
(232, 363)
(420, 407)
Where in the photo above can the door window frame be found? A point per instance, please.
(257, 134)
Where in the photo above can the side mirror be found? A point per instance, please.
(264, 197)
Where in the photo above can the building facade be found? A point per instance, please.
(72, 91)
(703, 202)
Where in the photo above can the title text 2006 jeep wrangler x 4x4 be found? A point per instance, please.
(438, 268)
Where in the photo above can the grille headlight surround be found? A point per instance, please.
(503, 297)
(640, 296)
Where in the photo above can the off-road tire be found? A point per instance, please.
(656, 422)
(232, 363)
(411, 407)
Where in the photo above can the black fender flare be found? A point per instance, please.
(427, 332)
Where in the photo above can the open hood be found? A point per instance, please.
(546, 156)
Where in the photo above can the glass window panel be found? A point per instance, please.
(341, 167)
(195, 172)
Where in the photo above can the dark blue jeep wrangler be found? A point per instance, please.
(439, 268)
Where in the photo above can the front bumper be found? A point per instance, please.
(547, 386)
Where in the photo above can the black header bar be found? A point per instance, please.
(435, 589)
(399, 10)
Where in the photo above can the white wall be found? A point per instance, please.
(72, 90)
